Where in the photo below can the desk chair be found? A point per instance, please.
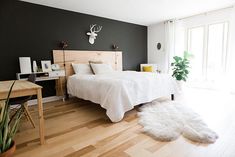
(24, 101)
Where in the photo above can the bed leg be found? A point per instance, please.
(172, 97)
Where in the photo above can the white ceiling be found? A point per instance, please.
(144, 12)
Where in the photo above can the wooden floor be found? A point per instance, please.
(79, 128)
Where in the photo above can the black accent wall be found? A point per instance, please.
(33, 30)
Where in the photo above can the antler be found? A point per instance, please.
(98, 29)
(95, 31)
(91, 27)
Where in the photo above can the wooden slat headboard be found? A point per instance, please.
(114, 58)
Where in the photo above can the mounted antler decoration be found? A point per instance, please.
(93, 33)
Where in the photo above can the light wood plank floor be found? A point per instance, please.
(79, 128)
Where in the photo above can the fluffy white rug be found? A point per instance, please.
(167, 120)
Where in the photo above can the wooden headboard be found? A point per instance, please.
(114, 58)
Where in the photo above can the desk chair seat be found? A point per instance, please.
(24, 101)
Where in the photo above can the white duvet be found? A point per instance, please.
(119, 92)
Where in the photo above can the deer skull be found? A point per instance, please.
(93, 33)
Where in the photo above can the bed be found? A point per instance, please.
(119, 91)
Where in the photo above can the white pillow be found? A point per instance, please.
(82, 68)
(101, 68)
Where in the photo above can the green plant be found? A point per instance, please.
(8, 125)
(181, 66)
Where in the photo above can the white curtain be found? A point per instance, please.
(231, 55)
(169, 45)
(179, 40)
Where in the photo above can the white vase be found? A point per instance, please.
(35, 67)
(180, 84)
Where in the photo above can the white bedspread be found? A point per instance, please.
(119, 92)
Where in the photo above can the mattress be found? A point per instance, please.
(119, 92)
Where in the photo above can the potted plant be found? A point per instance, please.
(181, 68)
(8, 127)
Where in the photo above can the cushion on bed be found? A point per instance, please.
(82, 68)
(148, 68)
(94, 62)
(101, 68)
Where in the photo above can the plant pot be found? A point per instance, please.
(9, 152)
(180, 85)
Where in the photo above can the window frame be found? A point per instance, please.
(225, 50)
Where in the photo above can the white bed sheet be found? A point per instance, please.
(119, 92)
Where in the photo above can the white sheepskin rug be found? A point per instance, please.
(167, 120)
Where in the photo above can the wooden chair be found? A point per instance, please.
(24, 101)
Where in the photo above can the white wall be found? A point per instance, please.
(156, 34)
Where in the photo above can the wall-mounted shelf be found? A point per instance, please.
(42, 76)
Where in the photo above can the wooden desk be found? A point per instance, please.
(25, 88)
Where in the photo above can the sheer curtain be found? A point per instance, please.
(174, 42)
(231, 56)
(169, 45)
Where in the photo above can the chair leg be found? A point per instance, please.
(26, 115)
(26, 111)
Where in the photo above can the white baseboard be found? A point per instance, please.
(45, 100)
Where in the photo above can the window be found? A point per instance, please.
(196, 47)
(217, 50)
(208, 44)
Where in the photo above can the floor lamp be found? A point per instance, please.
(64, 45)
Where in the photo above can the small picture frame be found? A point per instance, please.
(46, 66)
